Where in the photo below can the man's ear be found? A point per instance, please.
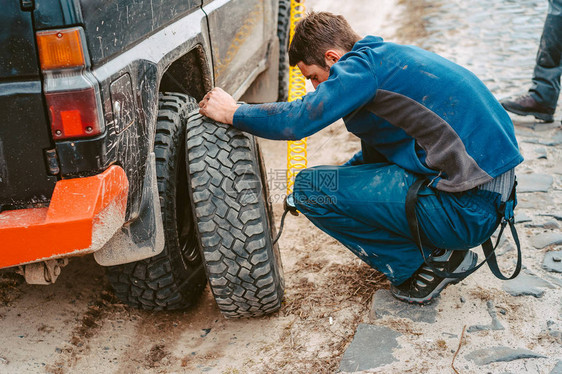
(332, 56)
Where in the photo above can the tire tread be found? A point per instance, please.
(162, 282)
(243, 267)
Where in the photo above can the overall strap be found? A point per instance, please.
(506, 209)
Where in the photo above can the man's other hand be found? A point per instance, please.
(218, 105)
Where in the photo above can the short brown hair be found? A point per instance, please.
(317, 33)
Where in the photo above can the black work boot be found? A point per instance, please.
(425, 285)
(525, 105)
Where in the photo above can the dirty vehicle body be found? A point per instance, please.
(102, 150)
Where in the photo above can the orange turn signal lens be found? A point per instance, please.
(60, 49)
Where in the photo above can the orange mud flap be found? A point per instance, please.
(84, 213)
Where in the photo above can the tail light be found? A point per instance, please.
(72, 115)
(71, 91)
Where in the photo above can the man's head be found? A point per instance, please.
(320, 40)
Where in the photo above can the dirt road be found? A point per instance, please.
(77, 325)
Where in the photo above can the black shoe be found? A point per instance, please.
(525, 105)
(425, 285)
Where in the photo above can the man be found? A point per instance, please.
(542, 97)
(418, 115)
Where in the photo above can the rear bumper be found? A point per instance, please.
(82, 216)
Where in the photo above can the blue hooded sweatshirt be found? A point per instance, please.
(421, 111)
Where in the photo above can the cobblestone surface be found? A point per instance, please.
(497, 40)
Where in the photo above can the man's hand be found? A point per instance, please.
(218, 105)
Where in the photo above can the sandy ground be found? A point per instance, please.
(77, 325)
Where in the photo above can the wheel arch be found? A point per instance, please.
(189, 74)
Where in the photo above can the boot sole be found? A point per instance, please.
(542, 116)
(467, 263)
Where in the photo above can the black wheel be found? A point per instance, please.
(175, 278)
(233, 219)
(283, 25)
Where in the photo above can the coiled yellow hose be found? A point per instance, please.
(296, 150)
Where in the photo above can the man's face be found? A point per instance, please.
(315, 73)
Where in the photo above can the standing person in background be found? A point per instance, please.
(542, 97)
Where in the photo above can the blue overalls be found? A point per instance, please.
(365, 212)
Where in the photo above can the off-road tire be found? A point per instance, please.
(233, 217)
(283, 26)
(175, 278)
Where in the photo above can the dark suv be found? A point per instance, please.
(102, 150)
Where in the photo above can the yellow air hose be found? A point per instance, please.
(296, 150)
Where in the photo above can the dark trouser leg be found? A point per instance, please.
(546, 76)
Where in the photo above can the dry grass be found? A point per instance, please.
(484, 294)
(337, 290)
(512, 306)
(355, 282)
(402, 325)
